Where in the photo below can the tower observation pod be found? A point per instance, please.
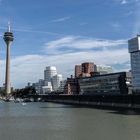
(8, 38)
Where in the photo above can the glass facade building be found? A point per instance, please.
(115, 83)
(134, 50)
(49, 72)
(104, 69)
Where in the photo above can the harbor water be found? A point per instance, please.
(50, 121)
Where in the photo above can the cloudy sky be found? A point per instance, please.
(64, 33)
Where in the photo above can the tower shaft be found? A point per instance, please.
(7, 74)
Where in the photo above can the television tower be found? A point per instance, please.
(8, 38)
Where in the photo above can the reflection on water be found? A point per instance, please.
(49, 121)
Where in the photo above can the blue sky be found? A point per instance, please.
(64, 33)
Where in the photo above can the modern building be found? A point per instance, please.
(78, 70)
(38, 86)
(103, 69)
(62, 85)
(72, 86)
(134, 50)
(84, 70)
(47, 88)
(42, 87)
(46, 83)
(56, 81)
(115, 83)
(85, 74)
(50, 83)
(87, 67)
(49, 72)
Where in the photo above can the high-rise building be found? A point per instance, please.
(87, 67)
(84, 70)
(8, 38)
(104, 69)
(56, 81)
(51, 81)
(49, 72)
(78, 70)
(134, 50)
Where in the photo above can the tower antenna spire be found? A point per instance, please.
(9, 27)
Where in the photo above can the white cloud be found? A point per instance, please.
(123, 1)
(61, 19)
(30, 30)
(35, 31)
(70, 43)
(29, 68)
(129, 1)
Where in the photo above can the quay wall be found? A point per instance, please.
(115, 101)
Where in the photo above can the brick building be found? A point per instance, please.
(72, 86)
(78, 70)
(87, 67)
(84, 70)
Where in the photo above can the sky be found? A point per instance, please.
(64, 33)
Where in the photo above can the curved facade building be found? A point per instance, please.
(56, 81)
(49, 72)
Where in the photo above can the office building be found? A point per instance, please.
(62, 85)
(56, 81)
(134, 50)
(84, 70)
(46, 89)
(49, 72)
(115, 83)
(50, 83)
(38, 86)
(78, 70)
(42, 86)
(72, 86)
(87, 67)
(103, 69)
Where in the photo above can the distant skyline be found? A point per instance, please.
(65, 33)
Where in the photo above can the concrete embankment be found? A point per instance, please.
(99, 101)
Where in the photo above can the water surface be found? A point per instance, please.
(49, 121)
